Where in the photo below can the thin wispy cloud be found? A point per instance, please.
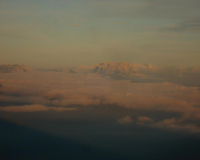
(192, 25)
(75, 25)
(120, 23)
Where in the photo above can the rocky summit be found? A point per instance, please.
(122, 69)
(7, 68)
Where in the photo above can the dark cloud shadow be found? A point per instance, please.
(17, 142)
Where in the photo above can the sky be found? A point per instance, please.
(66, 33)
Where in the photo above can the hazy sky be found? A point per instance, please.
(62, 33)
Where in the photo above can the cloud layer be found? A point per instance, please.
(34, 108)
(58, 91)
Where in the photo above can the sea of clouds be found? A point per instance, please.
(66, 92)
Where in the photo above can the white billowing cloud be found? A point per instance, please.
(124, 120)
(34, 108)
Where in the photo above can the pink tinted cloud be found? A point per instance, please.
(62, 90)
(125, 120)
(34, 108)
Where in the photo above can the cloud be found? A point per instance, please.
(175, 125)
(92, 89)
(119, 23)
(125, 120)
(34, 108)
(145, 9)
(59, 91)
(143, 119)
(75, 25)
(191, 25)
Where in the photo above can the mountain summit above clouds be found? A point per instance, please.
(7, 68)
(123, 69)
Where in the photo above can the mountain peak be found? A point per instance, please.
(121, 68)
(7, 68)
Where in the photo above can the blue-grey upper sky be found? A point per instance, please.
(62, 33)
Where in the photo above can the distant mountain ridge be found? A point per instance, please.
(123, 69)
(7, 68)
(140, 70)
